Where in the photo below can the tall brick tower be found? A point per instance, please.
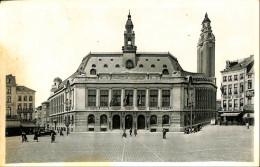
(206, 49)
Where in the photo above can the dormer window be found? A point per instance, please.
(141, 66)
(92, 72)
(94, 65)
(152, 66)
(105, 65)
(146, 59)
(100, 59)
(117, 66)
(164, 66)
(165, 72)
(111, 59)
(158, 59)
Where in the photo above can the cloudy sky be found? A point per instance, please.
(41, 40)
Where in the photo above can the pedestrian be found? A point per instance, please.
(130, 132)
(247, 125)
(135, 132)
(164, 133)
(35, 136)
(52, 137)
(124, 134)
(61, 134)
(23, 136)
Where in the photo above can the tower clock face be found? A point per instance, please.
(129, 64)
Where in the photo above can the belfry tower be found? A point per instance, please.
(206, 50)
(129, 48)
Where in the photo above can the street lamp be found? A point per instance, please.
(67, 121)
(191, 105)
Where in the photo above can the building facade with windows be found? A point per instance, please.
(149, 91)
(20, 102)
(237, 99)
(42, 116)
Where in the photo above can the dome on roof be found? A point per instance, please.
(57, 79)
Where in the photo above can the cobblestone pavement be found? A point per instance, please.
(213, 143)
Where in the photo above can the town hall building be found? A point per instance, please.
(130, 89)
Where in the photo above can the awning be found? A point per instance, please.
(229, 114)
(251, 115)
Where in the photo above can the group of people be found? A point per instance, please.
(130, 132)
(192, 130)
(36, 135)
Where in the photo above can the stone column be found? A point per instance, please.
(171, 98)
(122, 97)
(159, 98)
(98, 97)
(109, 96)
(135, 98)
(147, 98)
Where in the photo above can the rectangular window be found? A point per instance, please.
(241, 76)
(249, 84)
(225, 90)
(241, 102)
(165, 98)
(8, 99)
(249, 100)
(8, 90)
(235, 104)
(153, 98)
(141, 98)
(229, 104)
(91, 98)
(235, 88)
(8, 111)
(229, 89)
(225, 79)
(30, 105)
(104, 98)
(25, 106)
(19, 107)
(116, 98)
(241, 89)
(30, 98)
(235, 77)
(19, 98)
(230, 78)
(224, 105)
(25, 98)
(249, 76)
(128, 99)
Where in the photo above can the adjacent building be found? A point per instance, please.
(237, 99)
(130, 89)
(20, 102)
(42, 116)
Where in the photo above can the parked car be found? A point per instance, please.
(47, 132)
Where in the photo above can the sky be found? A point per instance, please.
(41, 40)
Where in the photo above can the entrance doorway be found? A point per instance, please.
(116, 122)
(128, 122)
(140, 122)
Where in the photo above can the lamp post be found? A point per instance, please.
(67, 121)
(191, 105)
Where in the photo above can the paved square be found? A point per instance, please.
(213, 143)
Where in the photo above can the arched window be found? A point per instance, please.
(164, 66)
(105, 65)
(165, 72)
(103, 119)
(166, 119)
(153, 66)
(117, 66)
(93, 65)
(141, 66)
(92, 72)
(153, 119)
(91, 119)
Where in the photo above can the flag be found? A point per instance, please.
(139, 100)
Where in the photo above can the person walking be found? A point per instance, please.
(52, 137)
(61, 134)
(23, 136)
(164, 133)
(124, 134)
(35, 136)
(135, 132)
(130, 132)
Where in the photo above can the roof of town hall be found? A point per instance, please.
(245, 63)
(114, 60)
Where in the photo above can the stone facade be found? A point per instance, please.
(129, 89)
(237, 88)
(20, 103)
